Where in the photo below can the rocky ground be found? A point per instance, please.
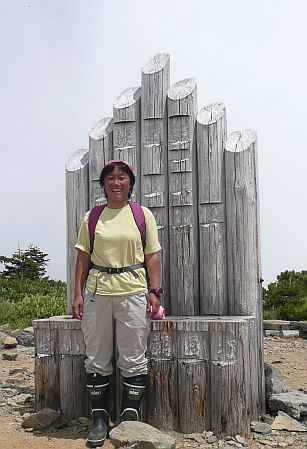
(17, 393)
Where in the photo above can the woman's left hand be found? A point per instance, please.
(153, 305)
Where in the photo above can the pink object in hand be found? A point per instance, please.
(160, 315)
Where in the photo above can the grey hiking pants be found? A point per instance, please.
(129, 316)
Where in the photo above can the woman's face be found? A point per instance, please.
(117, 186)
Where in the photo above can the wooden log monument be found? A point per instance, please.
(206, 357)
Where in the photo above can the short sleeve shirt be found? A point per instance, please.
(118, 244)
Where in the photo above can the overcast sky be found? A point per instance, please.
(63, 63)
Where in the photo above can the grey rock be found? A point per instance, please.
(290, 333)
(285, 422)
(261, 427)
(268, 419)
(212, 439)
(276, 325)
(273, 381)
(15, 333)
(268, 443)
(42, 419)
(240, 439)
(26, 337)
(271, 333)
(6, 328)
(10, 343)
(22, 398)
(303, 326)
(18, 370)
(84, 421)
(294, 325)
(3, 336)
(10, 356)
(293, 403)
(194, 436)
(208, 434)
(140, 436)
(9, 392)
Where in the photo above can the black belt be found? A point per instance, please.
(110, 270)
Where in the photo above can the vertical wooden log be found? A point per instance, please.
(47, 389)
(193, 355)
(243, 239)
(184, 265)
(100, 152)
(229, 381)
(162, 389)
(154, 173)
(127, 132)
(77, 204)
(211, 139)
(71, 350)
(243, 236)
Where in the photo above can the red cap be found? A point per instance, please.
(115, 161)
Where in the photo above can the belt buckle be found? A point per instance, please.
(118, 270)
(109, 270)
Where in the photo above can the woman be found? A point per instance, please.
(116, 296)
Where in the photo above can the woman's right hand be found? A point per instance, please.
(77, 307)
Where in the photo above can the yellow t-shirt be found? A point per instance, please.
(117, 244)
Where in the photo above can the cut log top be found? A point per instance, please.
(182, 89)
(156, 64)
(101, 129)
(241, 140)
(211, 113)
(77, 160)
(182, 98)
(125, 105)
(127, 98)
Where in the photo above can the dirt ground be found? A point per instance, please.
(288, 355)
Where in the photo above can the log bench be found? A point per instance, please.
(203, 373)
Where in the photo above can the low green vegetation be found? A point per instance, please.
(286, 299)
(25, 294)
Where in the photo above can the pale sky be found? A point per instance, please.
(63, 63)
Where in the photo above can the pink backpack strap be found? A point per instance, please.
(92, 222)
(139, 219)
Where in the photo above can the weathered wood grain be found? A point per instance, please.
(100, 152)
(162, 394)
(195, 365)
(211, 139)
(184, 272)
(59, 366)
(155, 80)
(77, 204)
(229, 384)
(47, 391)
(154, 174)
(242, 209)
(243, 237)
(192, 396)
(127, 132)
(71, 355)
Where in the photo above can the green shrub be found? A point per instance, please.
(21, 314)
(15, 289)
(271, 314)
(286, 299)
(23, 300)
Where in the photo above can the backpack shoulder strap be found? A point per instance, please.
(92, 222)
(139, 218)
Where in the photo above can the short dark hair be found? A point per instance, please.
(124, 167)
